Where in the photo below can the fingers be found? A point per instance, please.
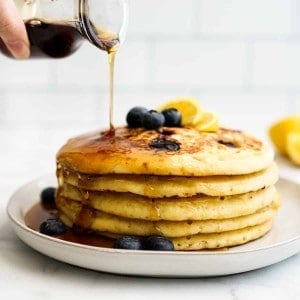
(12, 30)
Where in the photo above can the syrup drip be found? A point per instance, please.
(111, 62)
(84, 218)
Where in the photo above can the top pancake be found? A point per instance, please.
(190, 152)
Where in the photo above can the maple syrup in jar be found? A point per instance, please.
(50, 39)
(56, 29)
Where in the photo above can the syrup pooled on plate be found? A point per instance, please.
(39, 213)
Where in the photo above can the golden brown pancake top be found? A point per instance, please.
(169, 151)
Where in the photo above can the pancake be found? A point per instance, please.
(222, 239)
(169, 186)
(202, 190)
(216, 240)
(199, 207)
(179, 151)
(102, 222)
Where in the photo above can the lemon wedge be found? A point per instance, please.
(189, 108)
(279, 131)
(293, 146)
(209, 122)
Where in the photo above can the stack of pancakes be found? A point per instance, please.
(201, 190)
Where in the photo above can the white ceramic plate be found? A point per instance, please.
(287, 169)
(280, 243)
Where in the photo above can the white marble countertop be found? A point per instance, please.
(26, 274)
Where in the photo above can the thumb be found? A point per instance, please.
(12, 30)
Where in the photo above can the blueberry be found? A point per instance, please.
(172, 117)
(153, 119)
(128, 242)
(157, 242)
(163, 143)
(53, 227)
(135, 116)
(48, 196)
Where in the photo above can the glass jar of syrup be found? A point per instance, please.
(57, 28)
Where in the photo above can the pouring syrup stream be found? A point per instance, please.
(111, 62)
(107, 41)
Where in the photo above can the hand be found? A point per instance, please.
(12, 30)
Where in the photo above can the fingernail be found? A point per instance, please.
(19, 49)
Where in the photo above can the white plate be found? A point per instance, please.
(280, 243)
(287, 169)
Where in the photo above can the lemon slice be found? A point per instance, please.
(293, 146)
(189, 108)
(279, 131)
(209, 122)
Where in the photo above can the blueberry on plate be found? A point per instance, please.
(135, 116)
(48, 196)
(172, 117)
(153, 120)
(52, 227)
(128, 242)
(158, 242)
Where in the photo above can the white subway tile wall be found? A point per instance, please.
(241, 58)
(174, 47)
(277, 64)
(197, 63)
(246, 17)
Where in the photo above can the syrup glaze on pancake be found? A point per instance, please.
(199, 207)
(100, 221)
(170, 151)
(156, 186)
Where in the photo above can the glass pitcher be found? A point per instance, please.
(57, 28)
